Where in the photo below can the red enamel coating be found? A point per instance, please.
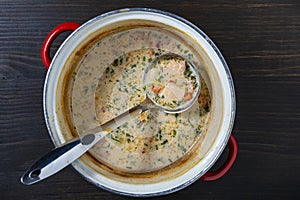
(233, 150)
(68, 26)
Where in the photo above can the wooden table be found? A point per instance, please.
(261, 43)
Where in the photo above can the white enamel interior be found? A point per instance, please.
(223, 99)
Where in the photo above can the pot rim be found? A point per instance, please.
(80, 166)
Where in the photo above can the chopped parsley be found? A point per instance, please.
(164, 142)
(115, 138)
(188, 72)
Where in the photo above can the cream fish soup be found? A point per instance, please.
(109, 81)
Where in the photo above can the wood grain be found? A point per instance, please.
(261, 43)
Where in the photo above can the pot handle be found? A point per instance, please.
(233, 150)
(45, 52)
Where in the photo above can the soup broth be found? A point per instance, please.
(108, 80)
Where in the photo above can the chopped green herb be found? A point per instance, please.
(128, 135)
(194, 82)
(177, 103)
(160, 78)
(181, 147)
(74, 75)
(164, 142)
(168, 57)
(207, 108)
(190, 56)
(188, 72)
(174, 133)
(116, 62)
(112, 71)
(159, 135)
(198, 131)
(114, 138)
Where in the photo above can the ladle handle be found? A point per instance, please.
(60, 157)
(122, 118)
(233, 150)
(45, 51)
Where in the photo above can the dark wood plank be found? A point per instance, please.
(260, 41)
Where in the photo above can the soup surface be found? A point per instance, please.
(109, 80)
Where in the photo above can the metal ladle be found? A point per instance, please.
(62, 156)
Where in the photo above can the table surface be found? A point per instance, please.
(261, 43)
